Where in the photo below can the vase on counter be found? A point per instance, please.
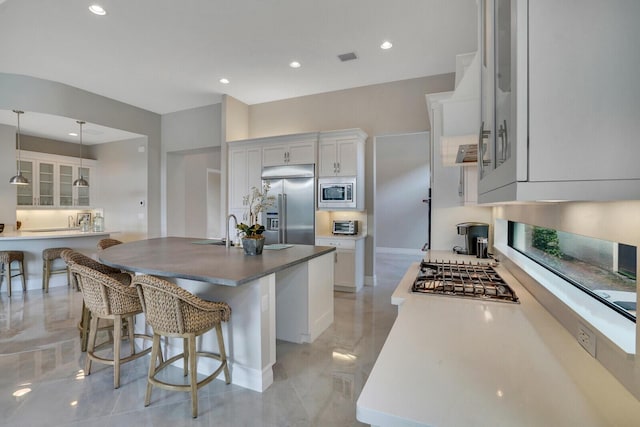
(253, 245)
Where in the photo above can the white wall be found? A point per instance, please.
(8, 167)
(122, 168)
(402, 182)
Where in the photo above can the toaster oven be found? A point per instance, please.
(349, 227)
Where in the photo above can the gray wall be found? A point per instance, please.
(390, 108)
(43, 96)
(52, 146)
(122, 186)
(190, 134)
(402, 181)
(8, 168)
(187, 191)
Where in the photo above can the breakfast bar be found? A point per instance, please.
(286, 293)
(33, 242)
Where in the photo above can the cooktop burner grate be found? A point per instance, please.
(462, 280)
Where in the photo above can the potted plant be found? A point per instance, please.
(257, 201)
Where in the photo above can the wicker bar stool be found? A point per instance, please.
(6, 258)
(174, 312)
(70, 256)
(107, 298)
(48, 256)
(107, 243)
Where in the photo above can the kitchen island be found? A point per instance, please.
(33, 242)
(282, 294)
(459, 362)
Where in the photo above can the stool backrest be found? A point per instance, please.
(171, 310)
(105, 295)
(107, 243)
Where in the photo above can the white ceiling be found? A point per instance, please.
(168, 55)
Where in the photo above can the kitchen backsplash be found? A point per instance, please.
(54, 218)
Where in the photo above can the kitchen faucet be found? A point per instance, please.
(70, 221)
(227, 244)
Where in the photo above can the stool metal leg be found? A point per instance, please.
(22, 276)
(7, 272)
(45, 275)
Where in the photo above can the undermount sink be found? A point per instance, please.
(215, 242)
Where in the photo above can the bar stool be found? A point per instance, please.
(107, 243)
(70, 257)
(107, 298)
(6, 258)
(48, 256)
(174, 312)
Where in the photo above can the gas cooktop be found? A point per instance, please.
(462, 279)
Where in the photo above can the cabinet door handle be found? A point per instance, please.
(461, 183)
(334, 167)
(335, 258)
(482, 147)
(338, 167)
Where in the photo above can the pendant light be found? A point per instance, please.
(80, 182)
(19, 179)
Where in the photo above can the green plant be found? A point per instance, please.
(256, 201)
(546, 240)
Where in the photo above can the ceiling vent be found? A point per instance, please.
(347, 57)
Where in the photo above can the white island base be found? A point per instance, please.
(294, 304)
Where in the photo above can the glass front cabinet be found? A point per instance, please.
(51, 180)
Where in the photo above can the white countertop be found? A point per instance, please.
(457, 362)
(53, 234)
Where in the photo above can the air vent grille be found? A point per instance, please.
(347, 57)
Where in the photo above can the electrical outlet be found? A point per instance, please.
(587, 339)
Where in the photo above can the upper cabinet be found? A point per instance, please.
(341, 153)
(559, 104)
(289, 150)
(245, 171)
(51, 181)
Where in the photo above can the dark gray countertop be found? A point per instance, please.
(179, 257)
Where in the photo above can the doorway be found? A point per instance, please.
(401, 192)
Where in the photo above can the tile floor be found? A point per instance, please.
(314, 384)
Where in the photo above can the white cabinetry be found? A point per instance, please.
(51, 181)
(348, 272)
(245, 169)
(341, 153)
(289, 150)
(559, 104)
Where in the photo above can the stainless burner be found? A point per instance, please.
(462, 280)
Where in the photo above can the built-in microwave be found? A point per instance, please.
(337, 193)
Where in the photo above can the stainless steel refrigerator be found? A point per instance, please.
(292, 218)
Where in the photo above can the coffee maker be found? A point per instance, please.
(471, 231)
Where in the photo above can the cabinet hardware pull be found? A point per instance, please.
(482, 147)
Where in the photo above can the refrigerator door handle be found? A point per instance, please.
(284, 218)
(280, 219)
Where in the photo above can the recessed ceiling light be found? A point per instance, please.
(224, 81)
(295, 64)
(97, 9)
(73, 134)
(386, 45)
